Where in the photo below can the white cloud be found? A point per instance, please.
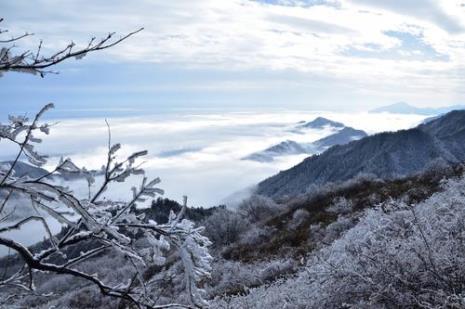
(427, 10)
(304, 36)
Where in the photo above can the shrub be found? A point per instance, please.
(224, 227)
(258, 208)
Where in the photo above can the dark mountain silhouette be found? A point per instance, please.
(385, 155)
(284, 148)
(319, 123)
(341, 137)
(22, 169)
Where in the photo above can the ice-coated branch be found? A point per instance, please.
(98, 224)
(95, 223)
(34, 62)
(17, 126)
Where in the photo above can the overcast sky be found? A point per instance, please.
(315, 54)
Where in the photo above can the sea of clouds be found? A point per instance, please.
(198, 154)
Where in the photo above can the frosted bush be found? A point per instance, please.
(400, 256)
(224, 227)
(258, 208)
(335, 229)
(298, 217)
(341, 206)
(256, 234)
(94, 225)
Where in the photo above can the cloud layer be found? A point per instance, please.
(367, 45)
(199, 155)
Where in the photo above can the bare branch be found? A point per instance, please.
(35, 63)
(102, 224)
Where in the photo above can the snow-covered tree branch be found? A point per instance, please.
(35, 62)
(93, 225)
(96, 224)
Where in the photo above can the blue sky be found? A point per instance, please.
(317, 54)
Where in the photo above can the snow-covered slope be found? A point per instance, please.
(400, 239)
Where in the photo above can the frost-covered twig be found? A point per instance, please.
(35, 63)
(105, 224)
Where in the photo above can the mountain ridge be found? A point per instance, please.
(343, 135)
(320, 122)
(405, 108)
(386, 155)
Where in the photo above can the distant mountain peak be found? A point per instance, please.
(23, 169)
(405, 108)
(343, 135)
(287, 147)
(319, 123)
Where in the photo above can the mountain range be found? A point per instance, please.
(404, 108)
(343, 135)
(385, 155)
(284, 148)
(22, 169)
